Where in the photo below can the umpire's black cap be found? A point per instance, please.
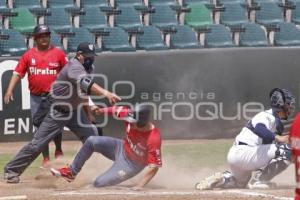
(86, 49)
(41, 29)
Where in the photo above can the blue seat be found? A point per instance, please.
(269, 14)
(27, 4)
(184, 38)
(296, 13)
(93, 19)
(81, 34)
(60, 3)
(93, 3)
(150, 40)
(164, 16)
(56, 40)
(58, 20)
(128, 19)
(117, 40)
(15, 45)
(254, 36)
(219, 36)
(234, 15)
(288, 35)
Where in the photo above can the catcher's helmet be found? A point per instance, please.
(140, 115)
(282, 100)
(41, 29)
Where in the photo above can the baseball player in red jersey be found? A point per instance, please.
(42, 63)
(140, 148)
(295, 143)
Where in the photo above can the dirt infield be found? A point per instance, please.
(172, 182)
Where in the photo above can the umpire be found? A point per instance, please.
(68, 96)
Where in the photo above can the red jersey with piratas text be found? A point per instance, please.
(142, 147)
(42, 68)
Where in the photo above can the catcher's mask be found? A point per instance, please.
(141, 115)
(282, 100)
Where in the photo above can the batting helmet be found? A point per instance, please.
(282, 100)
(41, 29)
(140, 115)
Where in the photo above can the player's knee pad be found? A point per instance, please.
(284, 152)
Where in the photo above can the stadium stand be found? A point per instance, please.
(233, 15)
(60, 4)
(151, 39)
(184, 38)
(253, 36)
(58, 20)
(93, 19)
(269, 13)
(199, 16)
(164, 17)
(296, 13)
(80, 34)
(218, 36)
(93, 3)
(116, 41)
(135, 3)
(24, 21)
(27, 4)
(128, 19)
(15, 45)
(148, 24)
(56, 40)
(288, 35)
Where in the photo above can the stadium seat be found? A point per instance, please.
(93, 3)
(253, 36)
(296, 13)
(24, 21)
(55, 40)
(58, 20)
(200, 16)
(128, 19)
(190, 2)
(14, 46)
(219, 36)
(221, 2)
(288, 35)
(150, 40)
(27, 4)
(128, 3)
(162, 2)
(164, 16)
(60, 3)
(117, 40)
(81, 34)
(93, 19)
(184, 38)
(269, 14)
(234, 15)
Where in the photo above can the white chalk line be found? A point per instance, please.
(172, 193)
(18, 197)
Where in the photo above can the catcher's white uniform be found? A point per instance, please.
(248, 152)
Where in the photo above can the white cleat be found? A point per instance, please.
(210, 182)
(262, 185)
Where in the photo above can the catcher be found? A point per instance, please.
(259, 146)
(140, 148)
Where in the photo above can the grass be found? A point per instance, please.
(211, 153)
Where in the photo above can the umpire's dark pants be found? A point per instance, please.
(76, 121)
